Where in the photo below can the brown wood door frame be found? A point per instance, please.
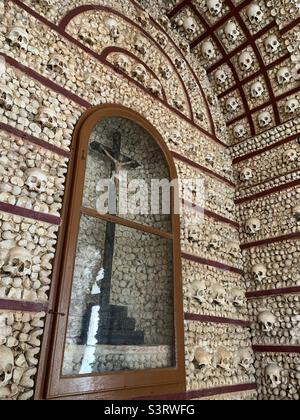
(116, 385)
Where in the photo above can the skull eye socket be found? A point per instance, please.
(9, 369)
(15, 262)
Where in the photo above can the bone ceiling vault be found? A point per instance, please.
(251, 53)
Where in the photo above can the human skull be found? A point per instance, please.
(214, 242)
(161, 39)
(47, 118)
(155, 87)
(234, 249)
(232, 31)
(180, 64)
(19, 262)
(6, 97)
(18, 37)
(259, 272)
(238, 298)
(232, 104)
(175, 137)
(190, 25)
(140, 45)
(57, 64)
(113, 28)
(273, 375)
(245, 359)
(224, 359)
(221, 77)
(239, 131)
(198, 290)
(246, 61)
(166, 72)
(290, 156)
(179, 104)
(264, 119)
(257, 90)
(202, 358)
(218, 294)
(246, 174)
(267, 321)
(122, 63)
(252, 226)
(139, 72)
(292, 106)
(272, 44)
(143, 17)
(215, 7)
(6, 365)
(296, 212)
(36, 180)
(255, 14)
(208, 50)
(284, 76)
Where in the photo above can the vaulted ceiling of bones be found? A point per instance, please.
(251, 53)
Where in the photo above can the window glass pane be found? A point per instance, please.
(121, 151)
(121, 312)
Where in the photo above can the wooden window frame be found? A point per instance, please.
(113, 385)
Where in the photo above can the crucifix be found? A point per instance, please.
(115, 327)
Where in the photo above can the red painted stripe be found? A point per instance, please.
(276, 349)
(265, 149)
(202, 393)
(22, 306)
(46, 82)
(210, 214)
(35, 140)
(270, 241)
(269, 192)
(216, 320)
(273, 292)
(202, 168)
(211, 263)
(30, 214)
(178, 8)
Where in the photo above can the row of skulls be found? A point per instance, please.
(257, 90)
(284, 75)
(224, 359)
(217, 295)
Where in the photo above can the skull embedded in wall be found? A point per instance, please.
(180, 64)
(199, 291)
(221, 77)
(175, 137)
(234, 249)
(232, 104)
(238, 298)
(6, 97)
(139, 72)
(255, 14)
(224, 359)
(259, 272)
(190, 25)
(215, 7)
(246, 174)
(140, 45)
(208, 50)
(18, 37)
(36, 180)
(267, 321)
(292, 106)
(284, 76)
(113, 28)
(166, 72)
(239, 131)
(47, 118)
(143, 17)
(214, 242)
(273, 376)
(122, 62)
(218, 294)
(232, 31)
(57, 64)
(246, 61)
(6, 365)
(272, 44)
(202, 359)
(257, 90)
(245, 359)
(296, 212)
(290, 156)
(155, 87)
(19, 262)
(264, 119)
(252, 226)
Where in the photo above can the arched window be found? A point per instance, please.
(120, 286)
